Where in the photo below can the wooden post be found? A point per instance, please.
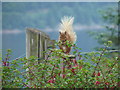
(36, 43)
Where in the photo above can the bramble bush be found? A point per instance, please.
(58, 70)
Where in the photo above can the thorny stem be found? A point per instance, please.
(99, 62)
(46, 60)
(108, 72)
(7, 57)
(111, 71)
(26, 85)
(99, 59)
(52, 71)
(112, 67)
(34, 75)
(64, 65)
(79, 56)
(102, 75)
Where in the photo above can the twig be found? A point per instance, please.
(99, 59)
(99, 62)
(52, 71)
(34, 75)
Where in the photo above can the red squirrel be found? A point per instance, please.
(66, 33)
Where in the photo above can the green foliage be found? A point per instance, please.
(111, 17)
(58, 70)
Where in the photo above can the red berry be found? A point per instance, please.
(56, 67)
(98, 74)
(113, 87)
(107, 83)
(59, 74)
(75, 66)
(53, 76)
(80, 67)
(97, 82)
(63, 75)
(73, 70)
(4, 63)
(51, 81)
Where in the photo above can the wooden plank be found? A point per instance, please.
(45, 43)
(36, 43)
(27, 43)
(33, 44)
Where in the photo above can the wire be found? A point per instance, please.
(80, 53)
(101, 51)
(19, 57)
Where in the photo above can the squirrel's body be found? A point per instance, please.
(66, 34)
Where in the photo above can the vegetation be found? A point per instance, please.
(92, 70)
(111, 32)
(58, 70)
(47, 15)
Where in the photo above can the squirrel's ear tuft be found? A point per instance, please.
(65, 32)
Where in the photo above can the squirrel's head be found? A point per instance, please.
(63, 34)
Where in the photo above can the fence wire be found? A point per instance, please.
(82, 53)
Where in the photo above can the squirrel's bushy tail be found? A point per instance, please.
(67, 25)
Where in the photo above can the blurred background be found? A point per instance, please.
(95, 23)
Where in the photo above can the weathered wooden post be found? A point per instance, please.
(36, 43)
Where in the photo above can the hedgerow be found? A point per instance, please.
(58, 70)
